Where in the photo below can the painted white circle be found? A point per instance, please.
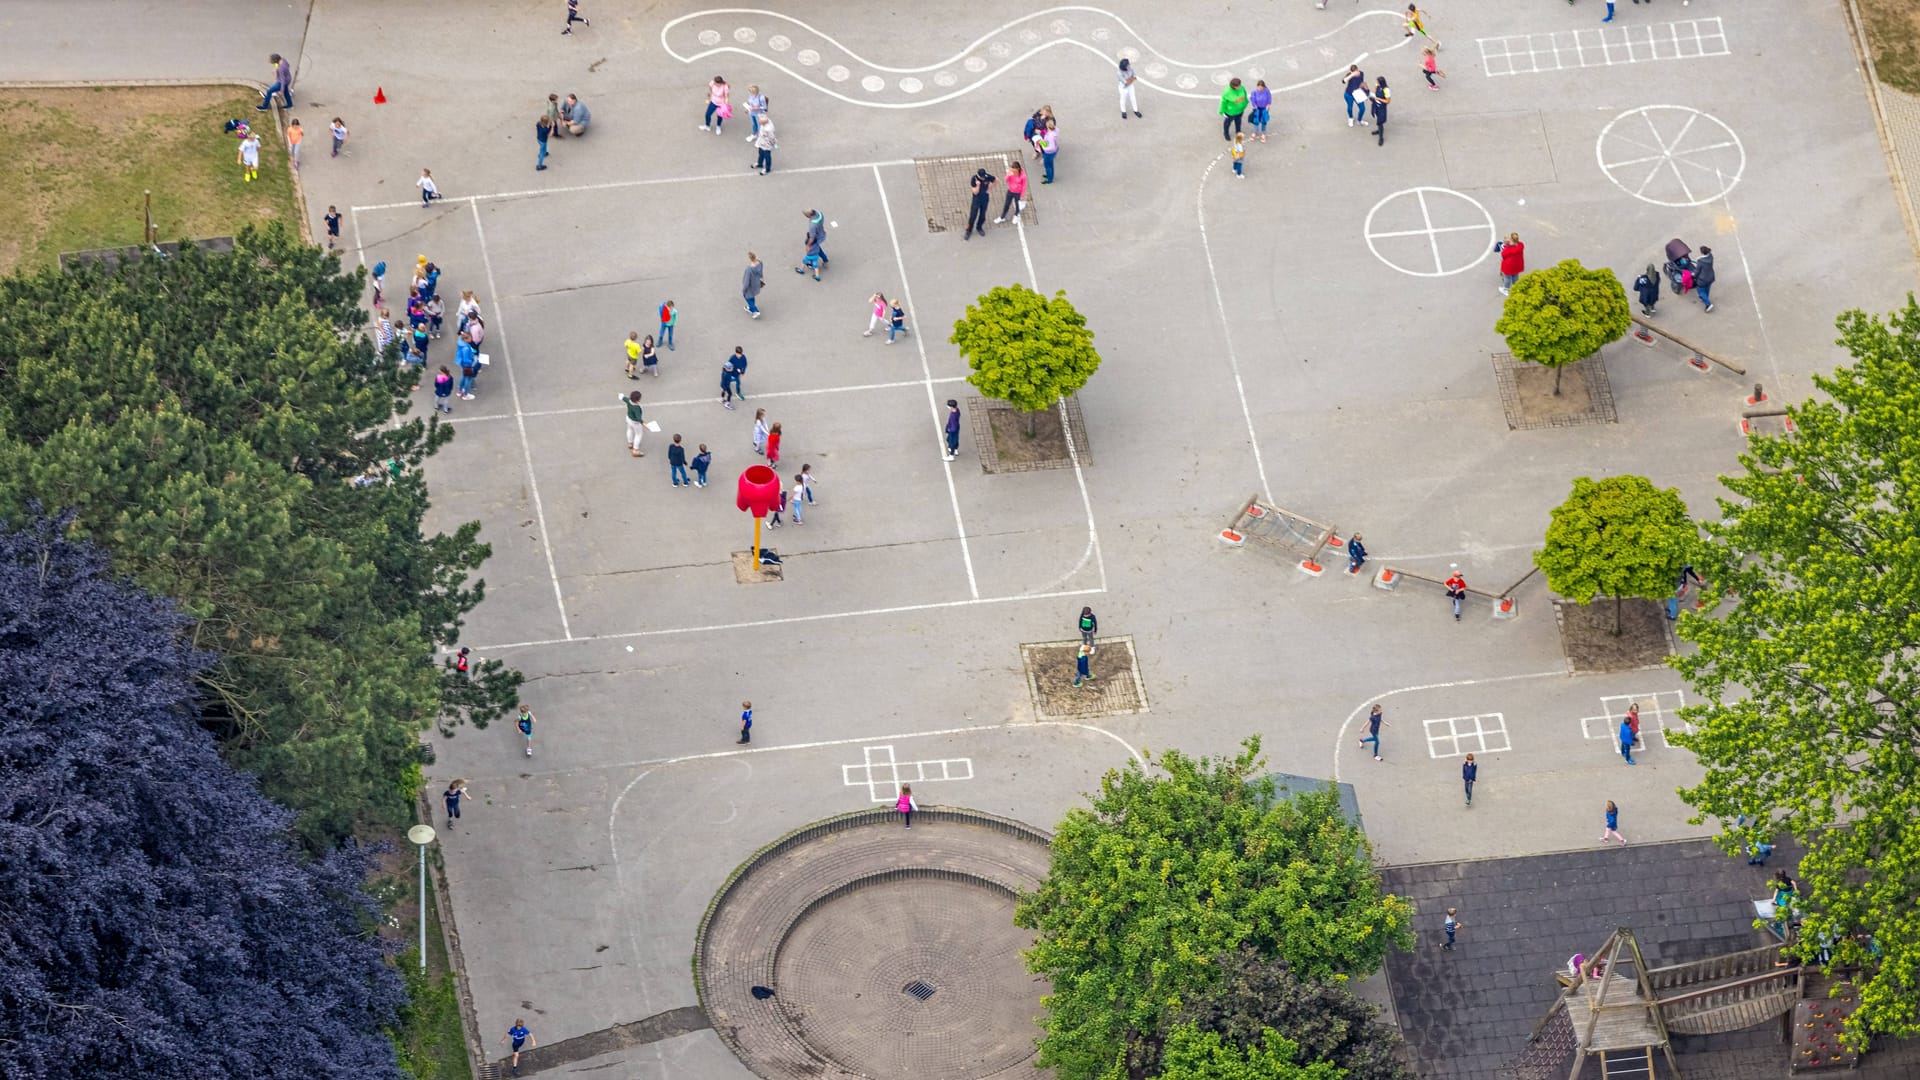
(975, 64)
(779, 43)
(1127, 52)
(912, 85)
(1029, 35)
(745, 35)
(1000, 50)
(1671, 155)
(1429, 231)
(945, 78)
(1255, 73)
(1060, 26)
(1156, 70)
(839, 73)
(873, 84)
(807, 57)
(1101, 33)
(1186, 81)
(1221, 78)
(709, 37)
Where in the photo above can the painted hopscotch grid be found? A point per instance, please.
(1453, 736)
(1659, 714)
(882, 776)
(1561, 50)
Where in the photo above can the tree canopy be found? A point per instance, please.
(203, 417)
(156, 919)
(1619, 536)
(1561, 314)
(1811, 681)
(1025, 348)
(1325, 1021)
(1169, 869)
(1192, 1054)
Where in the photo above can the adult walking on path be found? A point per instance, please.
(717, 107)
(282, 84)
(1613, 825)
(1233, 107)
(1513, 261)
(752, 280)
(815, 245)
(764, 144)
(980, 190)
(636, 422)
(1703, 276)
(1381, 98)
(1129, 98)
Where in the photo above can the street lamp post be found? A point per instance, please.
(422, 835)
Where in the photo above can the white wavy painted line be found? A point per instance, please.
(1008, 64)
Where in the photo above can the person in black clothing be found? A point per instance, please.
(677, 463)
(1703, 276)
(1647, 287)
(1380, 99)
(982, 188)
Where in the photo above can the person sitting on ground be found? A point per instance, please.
(575, 115)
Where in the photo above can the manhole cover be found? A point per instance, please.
(918, 989)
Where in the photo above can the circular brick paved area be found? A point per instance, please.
(891, 952)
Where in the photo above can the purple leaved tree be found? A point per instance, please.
(155, 919)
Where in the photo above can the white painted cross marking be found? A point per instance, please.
(882, 776)
(1486, 732)
(1659, 714)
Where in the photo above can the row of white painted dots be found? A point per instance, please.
(998, 50)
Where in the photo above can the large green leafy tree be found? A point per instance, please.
(1173, 865)
(1619, 537)
(202, 417)
(1811, 720)
(1562, 314)
(1025, 348)
(1192, 1054)
(1326, 1022)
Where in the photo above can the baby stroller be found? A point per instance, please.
(1679, 266)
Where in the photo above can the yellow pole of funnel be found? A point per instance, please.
(756, 545)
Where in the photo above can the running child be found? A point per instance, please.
(525, 724)
(249, 158)
(332, 219)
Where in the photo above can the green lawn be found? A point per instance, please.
(79, 161)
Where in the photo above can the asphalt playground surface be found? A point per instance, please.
(1318, 334)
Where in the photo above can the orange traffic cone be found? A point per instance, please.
(379, 95)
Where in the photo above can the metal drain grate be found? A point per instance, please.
(918, 989)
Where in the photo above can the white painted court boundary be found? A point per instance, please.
(1606, 46)
(1340, 739)
(709, 399)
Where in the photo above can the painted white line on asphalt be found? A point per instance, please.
(1066, 428)
(1753, 289)
(648, 767)
(822, 617)
(616, 185)
(1340, 740)
(1004, 65)
(710, 400)
(1226, 331)
(526, 449)
(933, 401)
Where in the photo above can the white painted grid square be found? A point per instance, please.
(882, 776)
(1467, 735)
(1659, 714)
(1561, 50)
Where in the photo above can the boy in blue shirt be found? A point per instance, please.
(746, 721)
(520, 1038)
